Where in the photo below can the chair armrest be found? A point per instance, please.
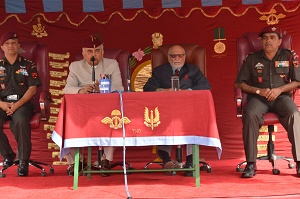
(239, 100)
(45, 100)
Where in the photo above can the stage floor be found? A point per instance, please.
(223, 182)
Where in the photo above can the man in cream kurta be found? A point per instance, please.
(80, 81)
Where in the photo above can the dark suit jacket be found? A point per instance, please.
(190, 77)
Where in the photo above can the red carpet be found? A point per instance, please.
(223, 182)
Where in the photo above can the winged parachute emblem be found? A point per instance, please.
(153, 120)
(115, 122)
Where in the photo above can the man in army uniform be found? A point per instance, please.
(268, 76)
(19, 80)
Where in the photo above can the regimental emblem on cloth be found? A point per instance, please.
(157, 40)
(39, 30)
(259, 69)
(272, 18)
(152, 120)
(115, 122)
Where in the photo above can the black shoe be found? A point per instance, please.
(23, 168)
(82, 166)
(298, 168)
(250, 171)
(171, 165)
(105, 165)
(8, 160)
(188, 165)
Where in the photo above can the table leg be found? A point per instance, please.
(179, 155)
(89, 163)
(76, 166)
(196, 164)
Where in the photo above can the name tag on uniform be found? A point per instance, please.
(282, 63)
(12, 97)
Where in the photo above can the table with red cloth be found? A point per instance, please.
(149, 118)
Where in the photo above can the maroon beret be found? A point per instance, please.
(7, 36)
(271, 29)
(91, 42)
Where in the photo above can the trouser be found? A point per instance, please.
(107, 154)
(20, 126)
(289, 118)
(168, 149)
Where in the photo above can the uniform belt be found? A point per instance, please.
(11, 98)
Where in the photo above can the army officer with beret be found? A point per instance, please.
(268, 76)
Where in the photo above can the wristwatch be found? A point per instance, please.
(257, 91)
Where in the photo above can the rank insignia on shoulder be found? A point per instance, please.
(295, 59)
(246, 57)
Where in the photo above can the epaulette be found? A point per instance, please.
(28, 60)
(294, 58)
(247, 57)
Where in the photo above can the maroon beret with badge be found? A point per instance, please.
(7, 36)
(271, 29)
(91, 42)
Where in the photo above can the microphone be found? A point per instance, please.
(93, 72)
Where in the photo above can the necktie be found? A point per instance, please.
(176, 72)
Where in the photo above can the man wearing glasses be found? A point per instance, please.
(191, 78)
(80, 81)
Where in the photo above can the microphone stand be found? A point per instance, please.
(128, 73)
(100, 150)
(93, 72)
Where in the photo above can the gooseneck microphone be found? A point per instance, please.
(93, 72)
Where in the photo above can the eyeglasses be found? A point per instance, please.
(176, 55)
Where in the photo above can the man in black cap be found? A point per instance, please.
(268, 76)
(19, 80)
(80, 81)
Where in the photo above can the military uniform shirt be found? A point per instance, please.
(17, 78)
(260, 72)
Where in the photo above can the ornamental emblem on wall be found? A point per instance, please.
(218, 36)
(115, 121)
(272, 18)
(39, 30)
(152, 120)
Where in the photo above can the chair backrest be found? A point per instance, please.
(122, 58)
(194, 55)
(250, 42)
(38, 53)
